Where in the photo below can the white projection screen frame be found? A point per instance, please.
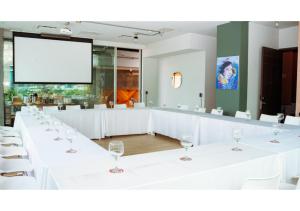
(50, 60)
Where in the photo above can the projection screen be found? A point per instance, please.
(50, 60)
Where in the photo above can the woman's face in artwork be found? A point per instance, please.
(228, 72)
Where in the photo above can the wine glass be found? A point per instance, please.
(219, 110)
(186, 144)
(71, 134)
(237, 135)
(275, 131)
(131, 103)
(248, 114)
(280, 117)
(48, 122)
(85, 104)
(150, 103)
(116, 149)
(57, 126)
(111, 103)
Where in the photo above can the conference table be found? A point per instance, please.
(214, 165)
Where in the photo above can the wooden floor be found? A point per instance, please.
(138, 144)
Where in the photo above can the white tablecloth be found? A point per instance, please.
(95, 123)
(288, 150)
(89, 122)
(212, 167)
(127, 121)
(47, 154)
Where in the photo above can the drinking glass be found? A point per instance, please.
(276, 130)
(237, 135)
(280, 117)
(57, 127)
(248, 114)
(150, 103)
(86, 105)
(111, 103)
(71, 136)
(116, 149)
(48, 122)
(186, 144)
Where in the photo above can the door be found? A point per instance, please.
(289, 80)
(271, 81)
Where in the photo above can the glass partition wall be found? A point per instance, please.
(128, 76)
(111, 82)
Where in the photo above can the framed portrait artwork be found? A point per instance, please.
(227, 73)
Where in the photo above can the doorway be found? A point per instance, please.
(279, 81)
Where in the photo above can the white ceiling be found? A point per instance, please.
(281, 24)
(111, 33)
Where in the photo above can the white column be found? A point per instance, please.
(1, 79)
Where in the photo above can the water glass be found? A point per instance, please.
(71, 135)
(116, 149)
(237, 135)
(186, 144)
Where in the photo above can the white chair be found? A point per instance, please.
(292, 120)
(100, 106)
(201, 110)
(7, 129)
(289, 186)
(262, 183)
(18, 183)
(139, 105)
(12, 151)
(7, 134)
(242, 115)
(120, 106)
(216, 112)
(15, 165)
(50, 108)
(183, 107)
(268, 118)
(14, 140)
(72, 107)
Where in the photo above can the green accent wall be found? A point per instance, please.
(232, 40)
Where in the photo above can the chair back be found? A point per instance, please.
(100, 106)
(216, 112)
(139, 105)
(72, 107)
(242, 115)
(268, 118)
(183, 107)
(120, 106)
(292, 120)
(50, 108)
(201, 110)
(262, 183)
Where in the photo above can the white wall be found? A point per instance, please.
(150, 79)
(259, 36)
(188, 44)
(288, 37)
(192, 67)
(264, 36)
